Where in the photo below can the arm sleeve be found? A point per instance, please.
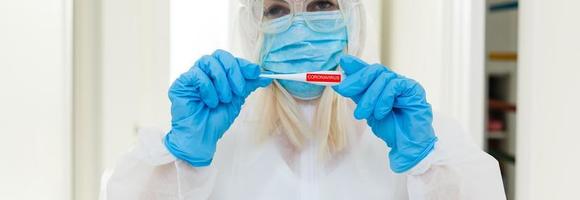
(149, 171)
(456, 169)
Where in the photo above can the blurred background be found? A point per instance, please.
(78, 78)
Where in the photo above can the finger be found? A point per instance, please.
(411, 87)
(387, 98)
(367, 103)
(213, 68)
(207, 91)
(232, 70)
(252, 85)
(358, 82)
(351, 64)
(249, 70)
(265, 81)
(410, 94)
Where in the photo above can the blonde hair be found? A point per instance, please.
(281, 115)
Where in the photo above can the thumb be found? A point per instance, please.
(263, 82)
(252, 85)
(351, 64)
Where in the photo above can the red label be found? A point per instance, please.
(327, 78)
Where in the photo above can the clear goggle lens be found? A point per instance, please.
(276, 16)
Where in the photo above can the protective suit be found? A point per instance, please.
(456, 169)
(399, 149)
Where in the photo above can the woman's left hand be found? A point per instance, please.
(395, 108)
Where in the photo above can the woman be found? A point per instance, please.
(294, 140)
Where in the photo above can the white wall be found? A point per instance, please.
(193, 35)
(440, 44)
(87, 106)
(548, 162)
(372, 46)
(121, 81)
(35, 99)
(134, 72)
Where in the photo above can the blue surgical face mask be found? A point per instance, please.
(300, 49)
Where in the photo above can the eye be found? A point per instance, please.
(322, 5)
(276, 11)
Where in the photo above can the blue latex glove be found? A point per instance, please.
(395, 108)
(205, 101)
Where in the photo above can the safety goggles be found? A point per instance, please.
(275, 16)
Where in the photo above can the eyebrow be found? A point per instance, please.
(276, 2)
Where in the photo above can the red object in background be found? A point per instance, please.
(500, 105)
(494, 125)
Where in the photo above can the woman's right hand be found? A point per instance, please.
(205, 101)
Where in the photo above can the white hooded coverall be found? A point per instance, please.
(244, 169)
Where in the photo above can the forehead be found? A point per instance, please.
(286, 0)
(292, 1)
(282, 1)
